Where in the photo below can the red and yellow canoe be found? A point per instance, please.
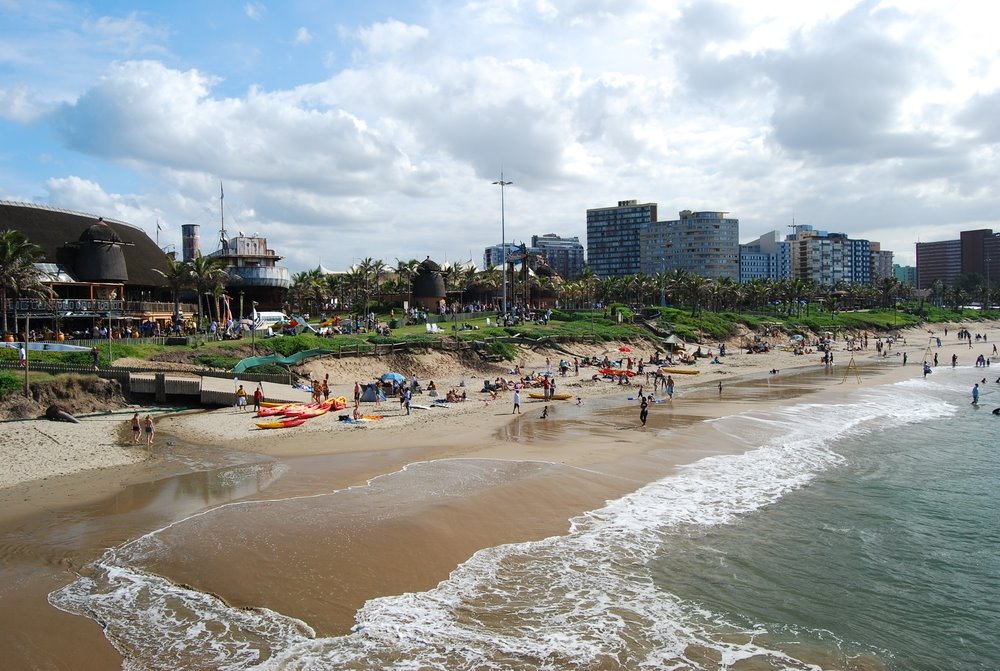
(281, 423)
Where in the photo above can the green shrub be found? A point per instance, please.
(216, 361)
(10, 383)
(506, 350)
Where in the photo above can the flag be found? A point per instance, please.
(158, 227)
(222, 193)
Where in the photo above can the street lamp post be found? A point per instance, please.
(503, 241)
(27, 323)
(110, 354)
(988, 283)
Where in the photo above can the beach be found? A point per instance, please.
(357, 513)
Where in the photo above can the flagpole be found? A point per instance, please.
(222, 216)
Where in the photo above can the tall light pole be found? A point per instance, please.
(503, 241)
(988, 260)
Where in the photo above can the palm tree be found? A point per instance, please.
(406, 271)
(208, 276)
(308, 290)
(888, 288)
(337, 289)
(18, 256)
(178, 277)
(937, 291)
(487, 282)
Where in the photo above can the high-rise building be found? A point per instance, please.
(829, 258)
(700, 243)
(905, 274)
(881, 262)
(494, 256)
(563, 255)
(975, 252)
(613, 237)
(767, 257)
(941, 260)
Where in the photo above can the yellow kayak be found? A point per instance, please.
(556, 397)
(679, 371)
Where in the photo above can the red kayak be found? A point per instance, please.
(616, 371)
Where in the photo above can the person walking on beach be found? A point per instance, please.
(148, 424)
(517, 402)
(935, 359)
(643, 409)
(954, 360)
(241, 398)
(975, 394)
(258, 396)
(407, 397)
(136, 428)
(670, 387)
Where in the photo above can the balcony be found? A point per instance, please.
(262, 276)
(86, 307)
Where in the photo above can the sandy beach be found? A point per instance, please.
(533, 475)
(38, 449)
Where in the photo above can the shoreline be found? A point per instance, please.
(555, 472)
(42, 456)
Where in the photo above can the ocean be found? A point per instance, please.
(862, 533)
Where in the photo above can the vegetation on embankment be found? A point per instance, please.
(616, 323)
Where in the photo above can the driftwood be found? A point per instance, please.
(57, 413)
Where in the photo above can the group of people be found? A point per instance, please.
(142, 426)
(258, 397)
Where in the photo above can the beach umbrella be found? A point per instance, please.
(393, 377)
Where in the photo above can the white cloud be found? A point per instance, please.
(17, 105)
(391, 36)
(129, 36)
(303, 36)
(850, 116)
(255, 10)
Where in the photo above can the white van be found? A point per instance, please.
(262, 321)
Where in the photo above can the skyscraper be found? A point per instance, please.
(700, 243)
(613, 235)
(563, 255)
(829, 258)
(767, 257)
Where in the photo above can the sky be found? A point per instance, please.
(343, 130)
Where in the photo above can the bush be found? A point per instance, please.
(217, 361)
(506, 350)
(10, 383)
